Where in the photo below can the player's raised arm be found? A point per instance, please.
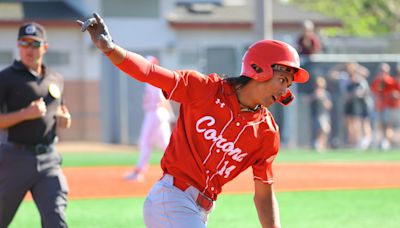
(131, 63)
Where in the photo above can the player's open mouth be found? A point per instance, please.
(274, 98)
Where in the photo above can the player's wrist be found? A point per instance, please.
(107, 45)
(109, 50)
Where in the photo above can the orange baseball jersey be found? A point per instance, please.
(213, 141)
(383, 87)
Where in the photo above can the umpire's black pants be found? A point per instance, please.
(24, 169)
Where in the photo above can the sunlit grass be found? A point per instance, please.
(119, 158)
(313, 209)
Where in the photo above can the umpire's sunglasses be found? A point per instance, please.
(34, 44)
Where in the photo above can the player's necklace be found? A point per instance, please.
(248, 109)
(245, 108)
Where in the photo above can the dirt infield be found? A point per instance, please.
(107, 182)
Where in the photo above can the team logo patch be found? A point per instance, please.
(218, 102)
(54, 91)
(30, 30)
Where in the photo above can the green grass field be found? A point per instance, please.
(119, 158)
(347, 208)
(328, 209)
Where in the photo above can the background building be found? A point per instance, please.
(209, 36)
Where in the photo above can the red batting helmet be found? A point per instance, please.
(258, 60)
(152, 59)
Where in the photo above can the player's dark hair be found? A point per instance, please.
(238, 82)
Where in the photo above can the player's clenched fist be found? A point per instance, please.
(99, 33)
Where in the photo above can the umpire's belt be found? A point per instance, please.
(202, 200)
(37, 148)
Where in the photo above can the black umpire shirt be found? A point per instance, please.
(18, 88)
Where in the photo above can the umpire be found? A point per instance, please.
(32, 97)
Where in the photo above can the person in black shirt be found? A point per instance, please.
(321, 106)
(32, 97)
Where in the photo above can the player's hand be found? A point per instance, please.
(99, 33)
(35, 109)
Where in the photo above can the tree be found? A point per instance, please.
(359, 17)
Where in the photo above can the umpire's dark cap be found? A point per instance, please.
(32, 30)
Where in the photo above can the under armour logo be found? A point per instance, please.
(221, 104)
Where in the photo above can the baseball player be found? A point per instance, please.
(156, 128)
(223, 128)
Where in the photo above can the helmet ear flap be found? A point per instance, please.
(286, 99)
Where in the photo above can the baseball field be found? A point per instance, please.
(340, 188)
